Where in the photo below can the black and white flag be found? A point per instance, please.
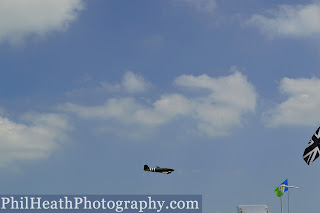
(312, 151)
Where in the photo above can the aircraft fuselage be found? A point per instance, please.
(158, 169)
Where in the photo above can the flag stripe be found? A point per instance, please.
(312, 151)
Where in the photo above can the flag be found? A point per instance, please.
(312, 151)
(280, 190)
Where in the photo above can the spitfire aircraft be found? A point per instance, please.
(158, 169)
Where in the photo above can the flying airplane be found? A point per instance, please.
(158, 169)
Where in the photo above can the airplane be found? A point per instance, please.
(158, 169)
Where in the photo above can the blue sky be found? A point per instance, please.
(224, 92)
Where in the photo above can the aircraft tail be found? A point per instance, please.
(146, 168)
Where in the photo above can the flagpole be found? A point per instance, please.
(283, 188)
(288, 201)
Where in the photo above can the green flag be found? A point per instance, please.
(281, 189)
(278, 191)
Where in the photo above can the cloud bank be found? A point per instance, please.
(21, 19)
(34, 139)
(302, 105)
(131, 83)
(289, 21)
(221, 108)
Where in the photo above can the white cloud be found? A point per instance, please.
(233, 90)
(302, 105)
(131, 83)
(34, 139)
(121, 109)
(229, 98)
(289, 21)
(206, 6)
(134, 83)
(22, 18)
(164, 110)
(129, 111)
(215, 113)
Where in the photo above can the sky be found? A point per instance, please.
(224, 92)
